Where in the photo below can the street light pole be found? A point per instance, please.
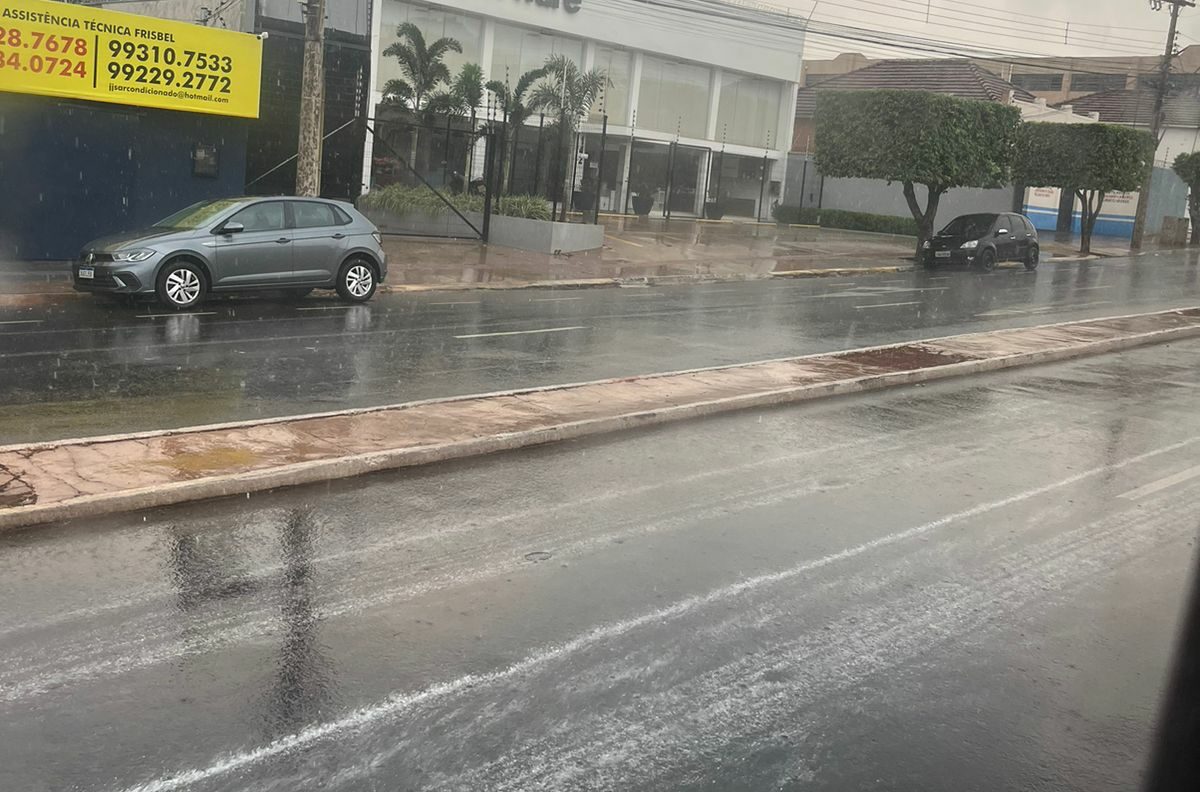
(312, 101)
(1156, 122)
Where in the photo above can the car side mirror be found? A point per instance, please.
(1002, 232)
(232, 228)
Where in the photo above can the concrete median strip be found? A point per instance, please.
(71, 479)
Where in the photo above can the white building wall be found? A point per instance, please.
(758, 48)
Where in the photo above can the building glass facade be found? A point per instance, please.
(682, 134)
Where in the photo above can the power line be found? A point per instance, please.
(900, 42)
(958, 16)
(945, 25)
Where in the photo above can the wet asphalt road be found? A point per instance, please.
(968, 585)
(81, 366)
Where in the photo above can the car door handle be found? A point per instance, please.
(339, 236)
(283, 240)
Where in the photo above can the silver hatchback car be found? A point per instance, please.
(236, 244)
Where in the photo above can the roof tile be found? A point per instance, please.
(960, 78)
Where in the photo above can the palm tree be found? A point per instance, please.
(568, 93)
(424, 71)
(514, 113)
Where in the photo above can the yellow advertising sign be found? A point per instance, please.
(56, 49)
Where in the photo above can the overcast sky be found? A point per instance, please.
(1021, 27)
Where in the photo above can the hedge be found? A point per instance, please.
(850, 221)
(402, 200)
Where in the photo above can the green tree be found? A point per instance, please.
(1091, 160)
(424, 72)
(462, 98)
(569, 94)
(1187, 167)
(514, 112)
(915, 138)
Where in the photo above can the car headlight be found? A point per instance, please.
(974, 243)
(138, 254)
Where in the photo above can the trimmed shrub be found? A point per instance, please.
(402, 200)
(849, 221)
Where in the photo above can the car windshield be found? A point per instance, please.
(969, 226)
(197, 215)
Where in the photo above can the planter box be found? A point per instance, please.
(542, 236)
(446, 225)
(538, 236)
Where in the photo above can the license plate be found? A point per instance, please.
(942, 254)
(87, 272)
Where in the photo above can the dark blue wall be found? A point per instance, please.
(72, 171)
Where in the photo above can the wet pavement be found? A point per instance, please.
(79, 366)
(966, 585)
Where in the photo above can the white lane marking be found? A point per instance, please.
(463, 302)
(1179, 384)
(22, 321)
(885, 305)
(556, 299)
(167, 315)
(1162, 484)
(625, 241)
(326, 308)
(398, 702)
(644, 294)
(522, 332)
(1090, 288)
(1043, 309)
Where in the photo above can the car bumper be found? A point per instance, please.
(107, 280)
(959, 257)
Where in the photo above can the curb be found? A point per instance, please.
(345, 467)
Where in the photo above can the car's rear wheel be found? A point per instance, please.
(987, 260)
(357, 280)
(1032, 258)
(180, 285)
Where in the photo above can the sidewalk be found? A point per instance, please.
(83, 478)
(635, 251)
(654, 251)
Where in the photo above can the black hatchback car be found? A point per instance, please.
(983, 241)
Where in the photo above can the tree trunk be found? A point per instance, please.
(1088, 216)
(925, 217)
(1194, 214)
(469, 165)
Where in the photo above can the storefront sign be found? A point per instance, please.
(79, 52)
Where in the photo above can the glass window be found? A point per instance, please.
(1038, 82)
(617, 66)
(673, 97)
(516, 51)
(434, 24)
(1094, 83)
(748, 112)
(309, 214)
(267, 216)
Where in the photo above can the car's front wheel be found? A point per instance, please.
(1031, 260)
(987, 260)
(180, 285)
(356, 280)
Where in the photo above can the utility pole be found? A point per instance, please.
(1156, 122)
(312, 101)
